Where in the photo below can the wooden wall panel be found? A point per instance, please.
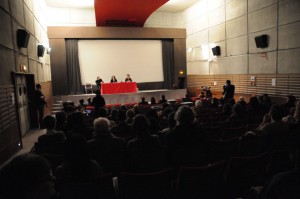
(47, 90)
(286, 84)
(9, 128)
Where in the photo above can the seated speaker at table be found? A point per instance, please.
(128, 79)
(113, 79)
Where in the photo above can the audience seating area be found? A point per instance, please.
(234, 160)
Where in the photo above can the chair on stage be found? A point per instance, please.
(88, 87)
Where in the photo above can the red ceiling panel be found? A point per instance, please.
(130, 13)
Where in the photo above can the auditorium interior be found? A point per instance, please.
(183, 50)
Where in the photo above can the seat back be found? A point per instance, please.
(201, 182)
(99, 188)
(145, 185)
(223, 149)
(245, 172)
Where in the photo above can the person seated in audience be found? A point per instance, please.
(274, 128)
(61, 121)
(89, 102)
(185, 144)
(128, 79)
(107, 149)
(289, 106)
(199, 108)
(163, 116)
(69, 107)
(238, 116)
(171, 123)
(78, 126)
(81, 106)
(153, 101)
(121, 128)
(27, 176)
(113, 79)
(52, 137)
(143, 101)
(272, 122)
(129, 116)
(231, 101)
(145, 152)
(162, 99)
(293, 118)
(78, 166)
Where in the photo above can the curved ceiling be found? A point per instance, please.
(129, 13)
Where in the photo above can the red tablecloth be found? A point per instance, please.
(122, 87)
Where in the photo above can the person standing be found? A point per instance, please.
(228, 90)
(98, 83)
(128, 79)
(40, 102)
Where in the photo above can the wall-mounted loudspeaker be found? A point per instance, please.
(262, 41)
(41, 50)
(22, 38)
(216, 51)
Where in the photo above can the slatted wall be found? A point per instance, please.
(9, 128)
(286, 84)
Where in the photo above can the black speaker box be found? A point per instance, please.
(22, 38)
(262, 41)
(41, 50)
(216, 51)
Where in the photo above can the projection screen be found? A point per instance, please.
(142, 59)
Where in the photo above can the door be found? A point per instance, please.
(22, 103)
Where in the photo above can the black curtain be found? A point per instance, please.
(73, 67)
(168, 62)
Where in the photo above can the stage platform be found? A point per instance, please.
(122, 98)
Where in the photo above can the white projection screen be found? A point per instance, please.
(142, 59)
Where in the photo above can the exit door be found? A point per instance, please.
(22, 103)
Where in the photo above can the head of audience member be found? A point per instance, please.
(81, 101)
(154, 125)
(76, 119)
(253, 102)
(130, 115)
(27, 176)
(153, 101)
(276, 113)
(167, 111)
(171, 120)
(89, 101)
(101, 126)
(49, 122)
(114, 114)
(38, 86)
(143, 99)
(185, 115)
(101, 112)
(237, 110)
(141, 125)
(198, 104)
(122, 115)
(136, 109)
